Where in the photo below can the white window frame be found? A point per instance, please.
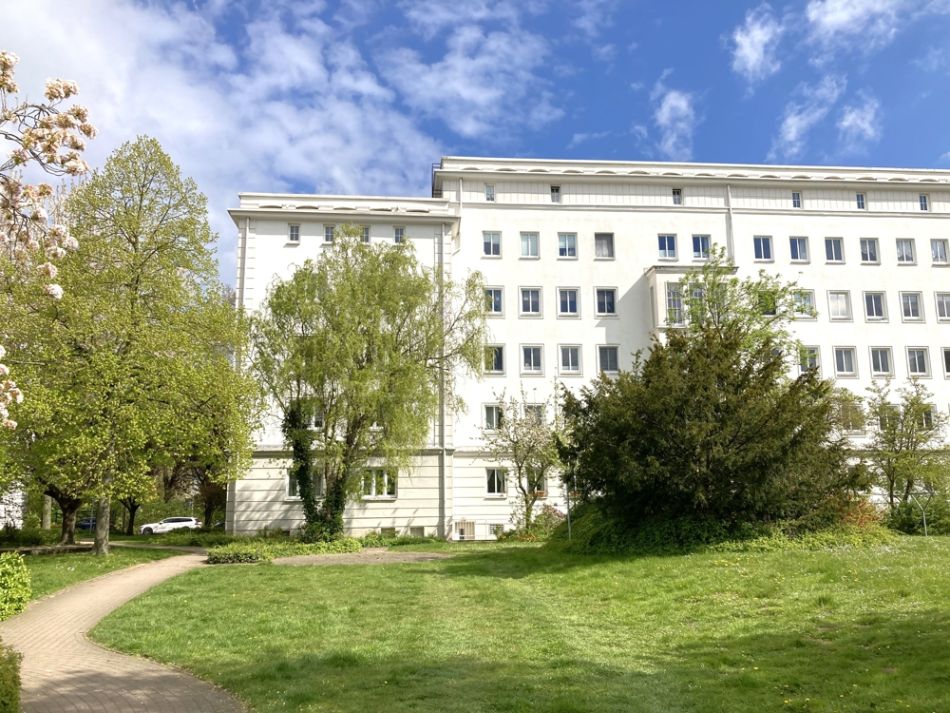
(555, 194)
(934, 242)
(919, 375)
(920, 306)
(537, 244)
(600, 361)
(597, 291)
(831, 243)
(861, 201)
(501, 293)
(945, 353)
(611, 242)
(913, 251)
(490, 192)
(923, 201)
(831, 312)
(797, 199)
(877, 251)
(942, 300)
(364, 233)
(492, 423)
(521, 295)
(577, 302)
(399, 234)
(800, 241)
(806, 351)
(388, 481)
(762, 241)
(868, 317)
(539, 371)
(329, 234)
(562, 237)
(678, 197)
(671, 289)
(491, 238)
(813, 312)
(560, 360)
(854, 362)
(493, 371)
(293, 233)
(704, 245)
(291, 486)
(890, 360)
(496, 476)
(664, 243)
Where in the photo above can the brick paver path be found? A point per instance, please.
(64, 671)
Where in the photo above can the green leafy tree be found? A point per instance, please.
(355, 351)
(709, 424)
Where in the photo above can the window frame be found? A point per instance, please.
(293, 233)
(497, 409)
(861, 201)
(927, 373)
(946, 251)
(490, 193)
(560, 360)
(946, 302)
(830, 242)
(867, 316)
(920, 306)
(329, 234)
(486, 243)
(923, 202)
(597, 291)
(763, 241)
(877, 251)
(501, 293)
(532, 372)
(854, 362)
(388, 481)
(555, 194)
(890, 358)
(798, 200)
(665, 253)
(399, 234)
(831, 313)
(364, 234)
(800, 316)
(577, 302)
(600, 353)
(497, 476)
(611, 243)
(945, 354)
(702, 254)
(496, 349)
(537, 244)
(521, 295)
(913, 250)
(678, 196)
(806, 350)
(801, 240)
(566, 257)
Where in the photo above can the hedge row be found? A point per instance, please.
(255, 550)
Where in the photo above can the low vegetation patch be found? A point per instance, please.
(264, 550)
(9, 680)
(27, 537)
(375, 539)
(14, 584)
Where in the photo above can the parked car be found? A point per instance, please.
(87, 523)
(169, 524)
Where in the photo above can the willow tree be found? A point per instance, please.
(357, 351)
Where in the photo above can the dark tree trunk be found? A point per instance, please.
(103, 520)
(334, 502)
(69, 507)
(131, 506)
(300, 437)
(213, 496)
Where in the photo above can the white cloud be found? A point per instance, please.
(860, 124)
(755, 45)
(593, 17)
(584, 137)
(486, 84)
(945, 157)
(802, 114)
(675, 116)
(433, 16)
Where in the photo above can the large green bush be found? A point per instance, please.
(14, 584)
(9, 680)
(256, 550)
(907, 518)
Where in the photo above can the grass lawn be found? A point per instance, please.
(525, 629)
(52, 572)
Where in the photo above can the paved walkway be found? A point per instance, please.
(65, 672)
(371, 555)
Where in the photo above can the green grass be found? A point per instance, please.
(52, 572)
(527, 629)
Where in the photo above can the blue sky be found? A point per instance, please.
(360, 96)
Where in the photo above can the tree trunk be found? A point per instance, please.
(298, 434)
(69, 510)
(46, 519)
(103, 518)
(334, 503)
(131, 506)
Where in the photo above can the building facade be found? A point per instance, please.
(581, 261)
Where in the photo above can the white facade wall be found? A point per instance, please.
(446, 489)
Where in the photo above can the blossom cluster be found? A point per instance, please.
(53, 137)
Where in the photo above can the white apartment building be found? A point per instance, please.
(581, 261)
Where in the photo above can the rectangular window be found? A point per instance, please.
(567, 245)
(490, 192)
(918, 361)
(491, 243)
(677, 196)
(834, 250)
(845, 362)
(924, 200)
(497, 481)
(293, 233)
(946, 362)
(667, 247)
(494, 300)
(604, 245)
(606, 301)
(938, 251)
(700, 247)
(875, 307)
(531, 360)
(809, 358)
(328, 232)
(860, 201)
(905, 251)
(804, 303)
(364, 233)
(943, 306)
(796, 199)
(608, 359)
(570, 359)
(555, 194)
(869, 253)
(492, 417)
(839, 305)
(763, 247)
(495, 359)
(567, 302)
(399, 235)
(530, 300)
(292, 491)
(911, 307)
(535, 412)
(529, 245)
(882, 362)
(378, 484)
(675, 314)
(799, 249)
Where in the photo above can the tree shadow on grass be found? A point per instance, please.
(828, 664)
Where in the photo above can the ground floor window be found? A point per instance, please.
(293, 487)
(497, 481)
(379, 483)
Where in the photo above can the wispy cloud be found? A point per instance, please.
(676, 119)
(584, 137)
(755, 45)
(809, 107)
(860, 124)
(592, 17)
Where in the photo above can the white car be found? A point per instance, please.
(169, 524)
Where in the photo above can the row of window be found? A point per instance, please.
(531, 245)
(875, 306)
(329, 232)
(496, 483)
(569, 359)
(800, 252)
(678, 198)
(881, 361)
(376, 484)
(568, 301)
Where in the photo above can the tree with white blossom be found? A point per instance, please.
(50, 136)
